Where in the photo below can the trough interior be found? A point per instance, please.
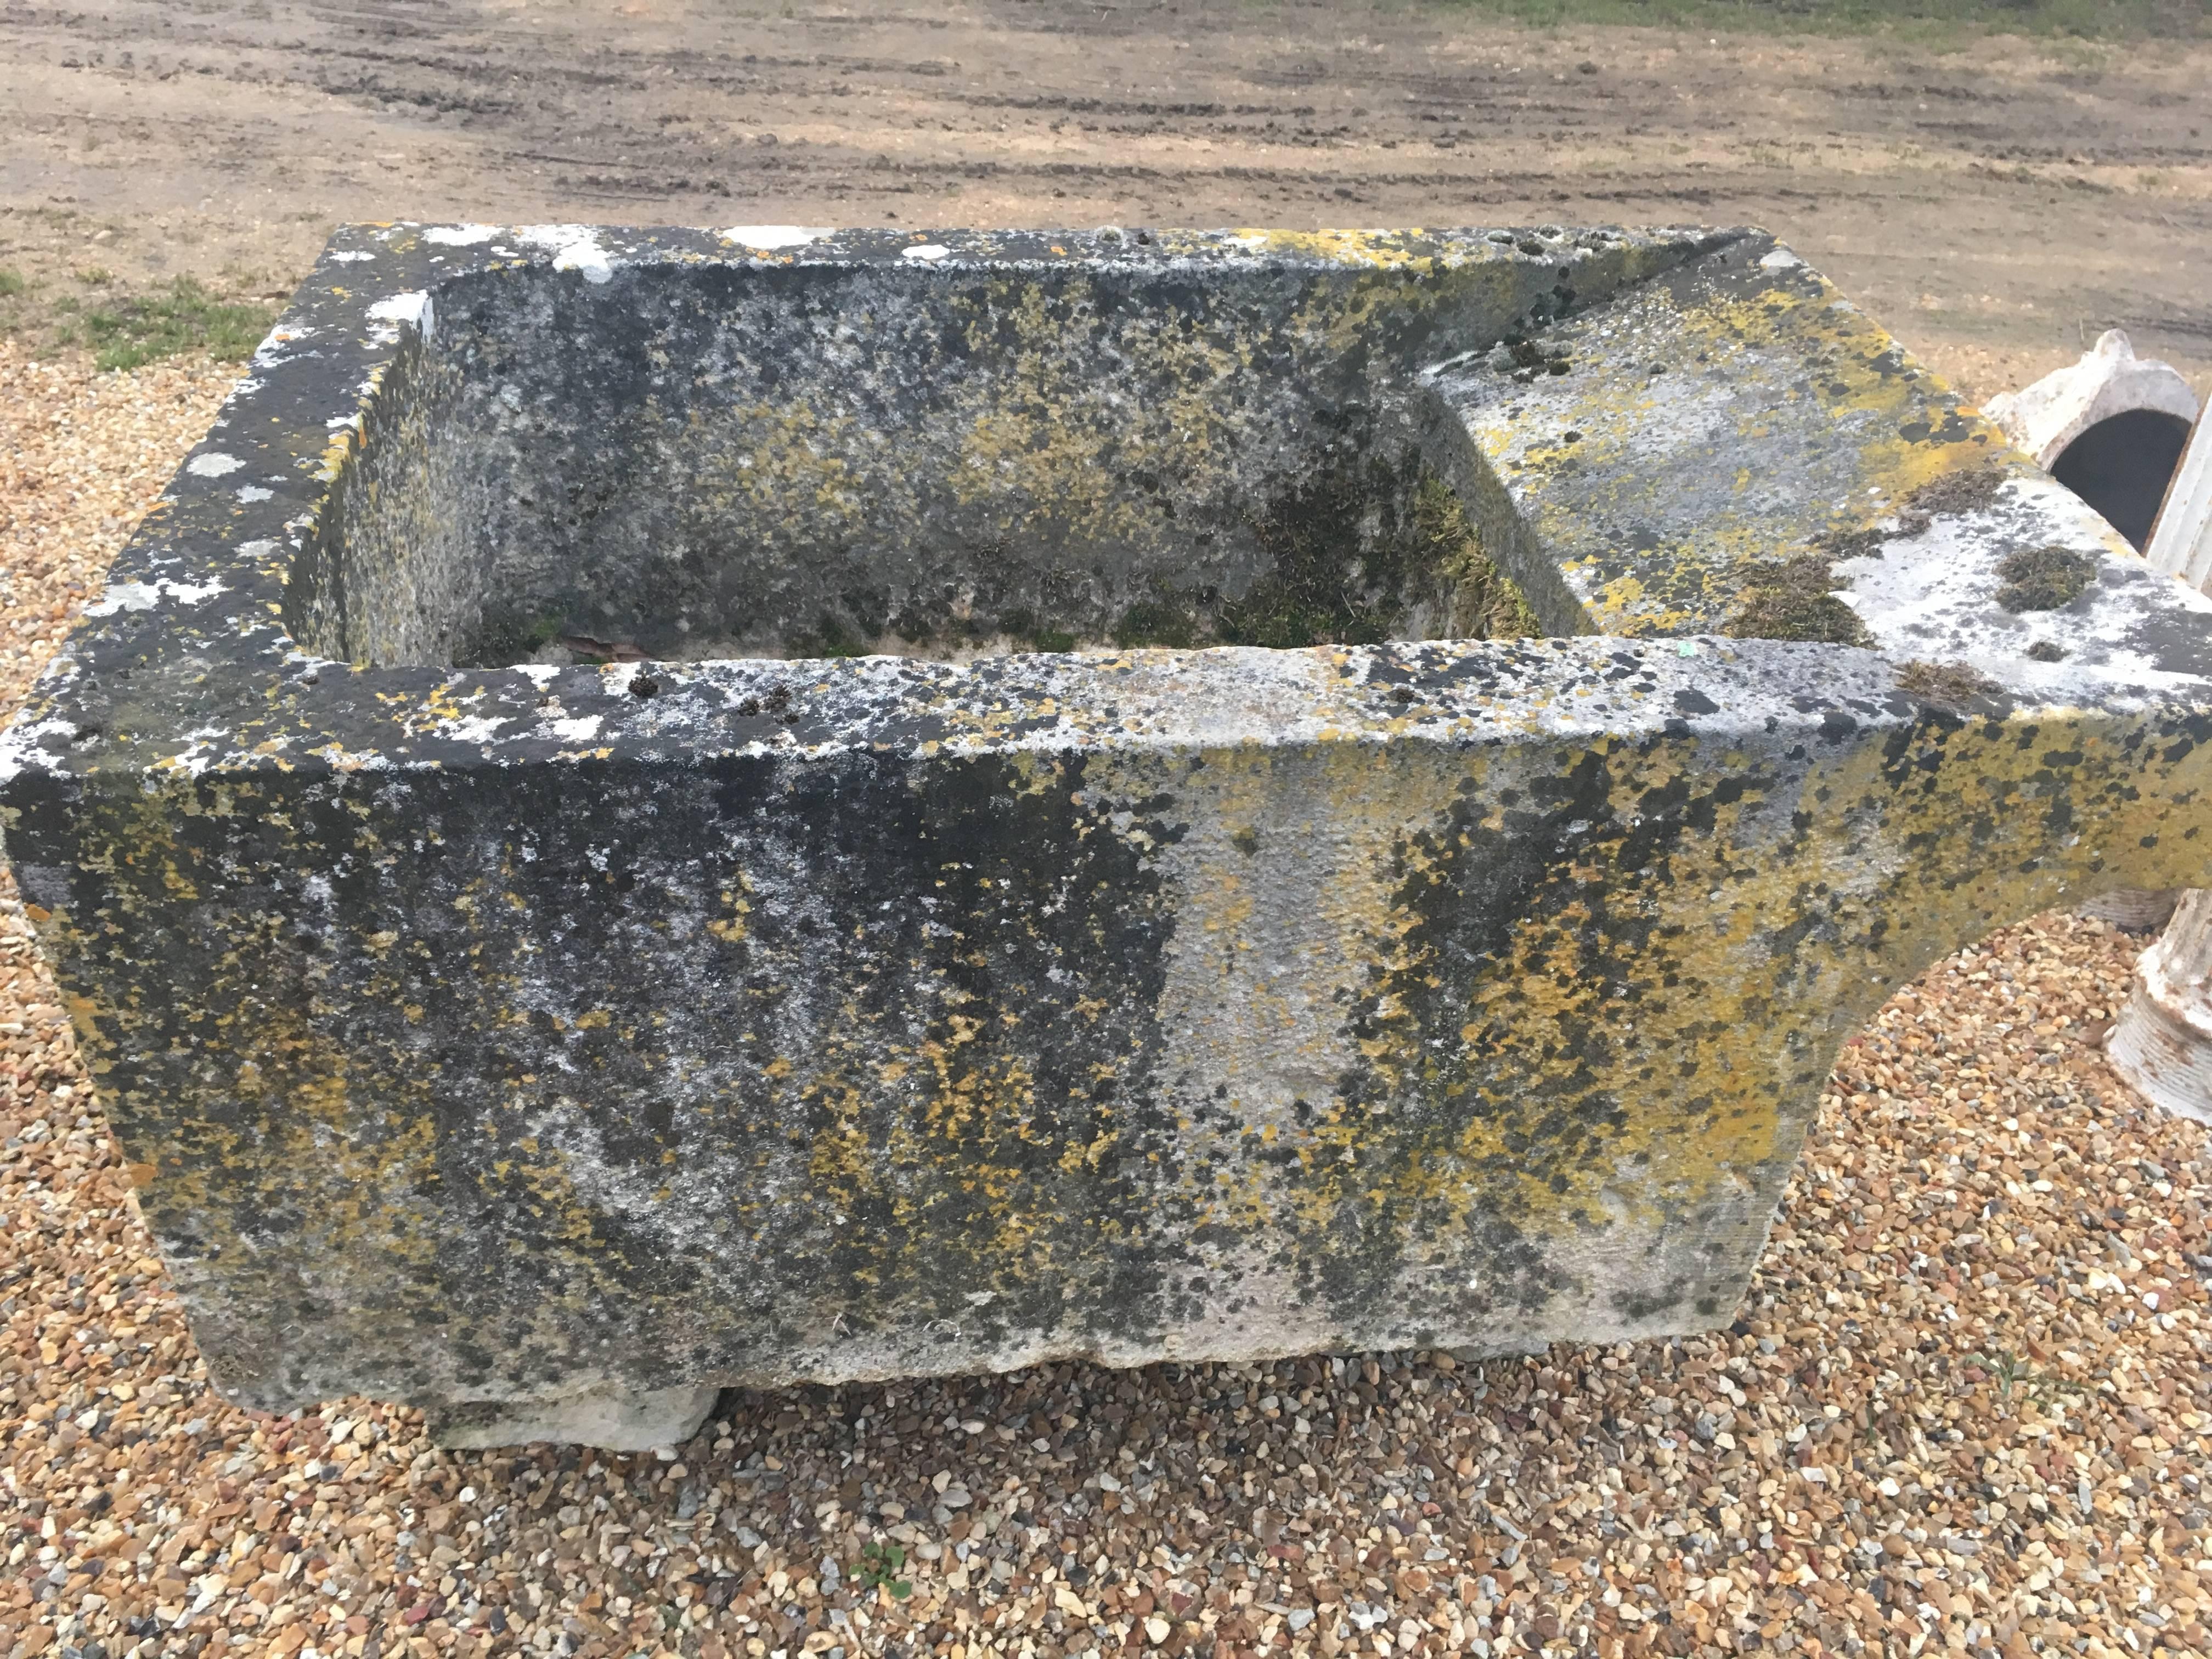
(708, 461)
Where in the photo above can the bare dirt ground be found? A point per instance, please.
(1996, 202)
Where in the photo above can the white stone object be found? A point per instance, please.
(2162, 1041)
(2181, 540)
(2110, 379)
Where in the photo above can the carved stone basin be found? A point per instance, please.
(659, 809)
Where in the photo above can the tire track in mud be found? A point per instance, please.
(1991, 202)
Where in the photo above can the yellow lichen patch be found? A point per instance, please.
(1702, 996)
(1046, 431)
(1379, 248)
(297, 1141)
(774, 456)
(1692, 440)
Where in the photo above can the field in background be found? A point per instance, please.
(1996, 198)
(1935, 23)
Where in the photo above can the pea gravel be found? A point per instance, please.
(1963, 1409)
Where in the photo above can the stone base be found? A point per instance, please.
(2138, 909)
(611, 1420)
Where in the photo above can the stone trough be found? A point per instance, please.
(658, 810)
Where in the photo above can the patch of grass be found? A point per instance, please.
(1936, 21)
(2013, 1374)
(11, 282)
(128, 332)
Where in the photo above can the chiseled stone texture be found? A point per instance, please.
(501, 1031)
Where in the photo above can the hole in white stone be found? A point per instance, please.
(2122, 466)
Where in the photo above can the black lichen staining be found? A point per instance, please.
(1017, 945)
(2047, 651)
(2043, 577)
(1523, 359)
(1793, 599)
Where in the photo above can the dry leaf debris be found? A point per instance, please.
(1964, 1408)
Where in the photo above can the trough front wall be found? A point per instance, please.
(468, 1082)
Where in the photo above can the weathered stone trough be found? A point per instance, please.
(659, 809)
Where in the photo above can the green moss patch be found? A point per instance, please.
(1946, 684)
(1795, 600)
(2043, 577)
(1487, 603)
(1322, 593)
(1163, 621)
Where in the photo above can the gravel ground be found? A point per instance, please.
(1962, 1410)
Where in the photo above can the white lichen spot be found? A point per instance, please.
(582, 729)
(476, 728)
(414, 307)
(342, 759)
(23, 746)
(253, 493)
(1781, 259)
(767, 238)
(351, 256)
(194, 758)
(269, 353)
(538, 674)
(213, 465)
(926, 251)
(575, 248)
(459, 235)
(144, 596)
(1937, 595)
